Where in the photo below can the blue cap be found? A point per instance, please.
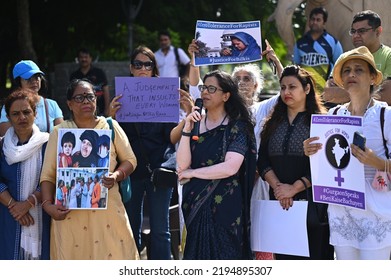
(25, 69)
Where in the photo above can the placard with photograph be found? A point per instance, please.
(83, 159)
(227, 42)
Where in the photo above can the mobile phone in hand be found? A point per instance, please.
(359, 140)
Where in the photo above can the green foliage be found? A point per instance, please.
(60, 28)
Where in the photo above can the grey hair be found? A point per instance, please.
(255, 73)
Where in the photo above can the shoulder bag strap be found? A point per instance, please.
(47, 115)
(148, 165)
(382, 110)
(110, 122)
(336, 110)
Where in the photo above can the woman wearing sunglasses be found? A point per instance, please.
(149, 141)
(87, 234)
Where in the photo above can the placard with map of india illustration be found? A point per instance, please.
(148, 99)
(337, 176)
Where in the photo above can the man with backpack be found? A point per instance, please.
(171, 61)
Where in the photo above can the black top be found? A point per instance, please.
(284, 153)
(150, 146)
(99, 80)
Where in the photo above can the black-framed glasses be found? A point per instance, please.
(210, 89)
(359, 31)
(81, 97)
(137, 64)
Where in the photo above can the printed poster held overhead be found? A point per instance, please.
(228, 42)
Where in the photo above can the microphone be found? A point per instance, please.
(196, 129)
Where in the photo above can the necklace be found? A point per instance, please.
(366, 109)
(206, 116)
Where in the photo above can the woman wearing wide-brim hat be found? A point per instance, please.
(356, 233)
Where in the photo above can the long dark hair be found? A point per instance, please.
(313, 103)
(235, 106)
(148, 52)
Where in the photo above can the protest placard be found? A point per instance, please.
(148, 99)
(337, 176)
(227, 42)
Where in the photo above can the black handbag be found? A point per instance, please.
(164, 176)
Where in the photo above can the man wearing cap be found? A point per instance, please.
(27, 75)
(365, 31)
(97, 77)
(87, 156)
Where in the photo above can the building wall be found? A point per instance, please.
(60, 78)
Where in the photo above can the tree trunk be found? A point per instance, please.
(25, 41)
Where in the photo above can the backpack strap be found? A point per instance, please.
(177, 58)
(382, 110)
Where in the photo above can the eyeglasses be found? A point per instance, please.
(210, 89)
(244, 79)
(137, 64)
(359, 31)
(80, 97)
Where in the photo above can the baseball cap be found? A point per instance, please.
(25, 69)
(357, 53)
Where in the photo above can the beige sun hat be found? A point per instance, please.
(357, 53)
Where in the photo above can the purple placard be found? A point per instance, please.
(339, 196)
(148, 99)
(326, 119)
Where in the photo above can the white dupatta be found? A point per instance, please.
(30, 158)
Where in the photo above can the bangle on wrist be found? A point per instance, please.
(9, 202)
(31, 204)
(35, 199)
(192, 64)
(304, 183)
(45, 201)
(184, 133)
(122, 172)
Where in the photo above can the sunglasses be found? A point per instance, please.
(210, 89)
(149, 65)
(80, 97)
